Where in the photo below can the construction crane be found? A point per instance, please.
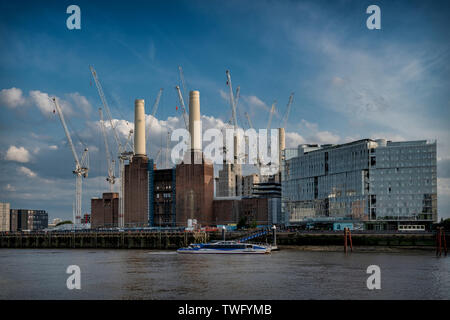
(288, 110)
(250, 124)
(183, 83)
(272, 111)
(157, 156)
(123, 154)
(111, 179)
(236, 167)
(232, 100)
(154, 109)
(183, 108)
(81, 167)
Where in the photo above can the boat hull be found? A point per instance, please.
(225, 247)
(209, 251)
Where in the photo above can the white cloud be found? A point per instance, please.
(293, 139)
(12, 98)
(81, 103)
(53, 147)
(254, 101)
(45, 104)
(314, 135)
(9, 188)
(27, 172)
(19, 154)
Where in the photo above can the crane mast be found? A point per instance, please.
(111, 179)
(288, 109)
(81, 167)
(183, 108)
(232, 100)
(272, 111)
(123, 155)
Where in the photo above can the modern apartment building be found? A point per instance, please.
(25, 219)
(382, 183)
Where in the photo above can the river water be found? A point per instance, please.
(286, 274)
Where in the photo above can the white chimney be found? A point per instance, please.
(195, 124)
(139, 127)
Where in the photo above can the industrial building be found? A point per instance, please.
(105, 211)
(4, 217)
(25, 219)
(194, 175)
(248, 182)
(382, 183)
(163, 197)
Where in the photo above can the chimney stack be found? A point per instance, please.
(195, 125)
(139, 127)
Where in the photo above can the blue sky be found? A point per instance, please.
(349, 82)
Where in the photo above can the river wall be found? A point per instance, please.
(167, 240)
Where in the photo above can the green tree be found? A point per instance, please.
(64, 222)
(242, 222)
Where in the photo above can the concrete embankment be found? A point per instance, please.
(358, 239)
(104, 240)
(168, 240)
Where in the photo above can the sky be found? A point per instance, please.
(349, 82)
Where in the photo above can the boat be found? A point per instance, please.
(226, 247)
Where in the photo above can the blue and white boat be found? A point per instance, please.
(226, 247)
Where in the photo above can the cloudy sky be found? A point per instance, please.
(349, 82)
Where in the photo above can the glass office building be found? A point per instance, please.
(378, 182)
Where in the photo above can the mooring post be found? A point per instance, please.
(350, 238)
(438, 241)
(223, 232)
(345, 240)
(274, 228)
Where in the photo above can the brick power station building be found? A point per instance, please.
(164, 197)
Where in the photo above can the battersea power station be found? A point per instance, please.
(369, 184)
(161, 197)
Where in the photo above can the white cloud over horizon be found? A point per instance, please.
(19, 154)
(12, 98)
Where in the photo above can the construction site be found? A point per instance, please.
(183, 195)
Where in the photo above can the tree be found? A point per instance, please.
(242, 224)
(64, 222)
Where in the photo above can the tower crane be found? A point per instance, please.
(183, 83)
(81, 167)
(237, 169)
(183, 108)
(288, 110)
(123, 154)
(180, 97)
(111, 179)
(157, 156)
(250, 124)
(272, 111)
(154, 109)
(232, 100)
